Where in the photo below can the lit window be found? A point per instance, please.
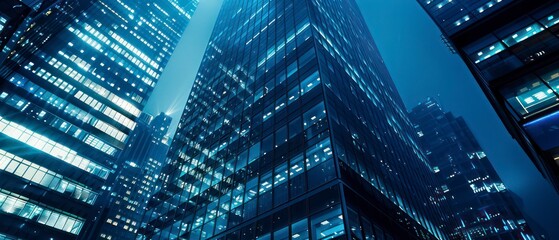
(51, 147)
(21, 206)
(328, 225)
(488, 52)
(523, 34)
(45, 177)
(551, 20)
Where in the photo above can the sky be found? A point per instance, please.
(172, 90)
(421, 66)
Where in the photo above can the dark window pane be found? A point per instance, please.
(354, 225)
(295, 127)
(321, 174)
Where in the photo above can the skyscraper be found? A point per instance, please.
(72, 88)
(511, 48)
(142, 160)
(294, 130)
(480, 202)
(12, 17)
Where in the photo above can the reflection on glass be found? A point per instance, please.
(296, 166)
(264, 237)
(300, 230)
(544, 131)
(282, 234)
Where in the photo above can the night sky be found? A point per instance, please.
(421, 66)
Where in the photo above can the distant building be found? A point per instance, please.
(294, 130)
(512, 48)
(142, 160)
(481, 204)
(75, 77)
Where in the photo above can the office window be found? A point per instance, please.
(254, 152)
(221, 223)
(295, 127)
(268, 144)
(237, 196)
(354, 225)
(328, 224)
(318, 153)
(292, 69)
(51, 147)
(551, 76)
(368, 229)
(293, 94)
(2, 22)
(45, 177)
(251, 189)
(379, 233)
(544, 131)
(300, 230)
(314, 115)
(282, 234)
(265, 182)
(488, 52)
(280, 174)
(310, 82)
(20, 206)
(529, 96)
(266, 236)
(296, 166)
(523, 34)
(281, 136)
(550, 20)
(307, 57)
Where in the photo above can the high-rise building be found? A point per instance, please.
(294, 130)
(12, 16)
(480, 202)
(142, 160)
(72, 88)
(511, 48)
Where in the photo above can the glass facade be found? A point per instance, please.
(482, 207)
(75, 77)
(13, 17)
(455, 15)
(143, 159)
(512, 51)
(294, 130)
